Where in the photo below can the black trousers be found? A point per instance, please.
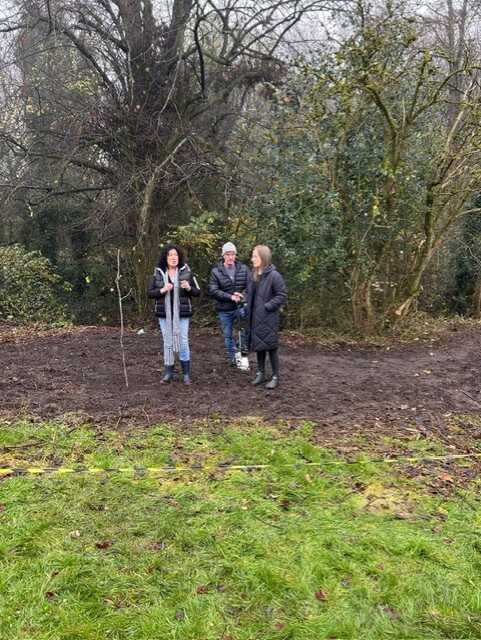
(273, 357)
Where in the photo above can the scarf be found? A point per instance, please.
(172, 333)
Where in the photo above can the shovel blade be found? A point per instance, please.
(242, 362)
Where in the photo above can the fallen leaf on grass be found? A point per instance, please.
(98, 507)
(203, 588)
(180, 616)
(157, 546)
(3, 507)
(50, 595)
(104, 544)
(321, 595)
(446, 477)
(74, 535)
(388, 611)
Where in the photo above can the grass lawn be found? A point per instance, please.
(289, 551)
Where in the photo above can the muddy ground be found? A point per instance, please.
(356, 396)
(81, 371)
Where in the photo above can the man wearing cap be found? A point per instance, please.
(227, 285)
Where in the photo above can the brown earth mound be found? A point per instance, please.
(81, 371)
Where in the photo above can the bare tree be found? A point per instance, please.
(132, 101)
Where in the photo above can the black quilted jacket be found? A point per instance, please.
(159, 279)
(221, 287)
(263, 309)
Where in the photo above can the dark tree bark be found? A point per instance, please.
(134, 107)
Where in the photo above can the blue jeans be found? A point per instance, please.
(184, 353)
(227, 320)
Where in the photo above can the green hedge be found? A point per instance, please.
(29, 289)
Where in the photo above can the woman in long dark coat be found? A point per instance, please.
(266, 292)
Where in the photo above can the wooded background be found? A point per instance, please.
(344, 134)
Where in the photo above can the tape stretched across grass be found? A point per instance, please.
(24, 471)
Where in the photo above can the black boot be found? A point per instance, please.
(185, 364)
(260, 377)
(273, 382)
(169, 374)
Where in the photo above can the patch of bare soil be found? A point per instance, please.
(348, 392)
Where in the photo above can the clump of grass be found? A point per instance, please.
(305, 547)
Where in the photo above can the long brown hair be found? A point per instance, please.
(266, 259)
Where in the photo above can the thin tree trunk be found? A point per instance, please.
(120, 298)
(477, 300)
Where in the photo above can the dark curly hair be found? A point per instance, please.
(162, 263)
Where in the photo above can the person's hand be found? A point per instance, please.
(236, 297)
(185, 285)
(167, 287)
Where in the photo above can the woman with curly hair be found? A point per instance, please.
(172, 287)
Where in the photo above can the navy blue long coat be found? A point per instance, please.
(263, 309)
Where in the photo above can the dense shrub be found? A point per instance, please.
(29, 288)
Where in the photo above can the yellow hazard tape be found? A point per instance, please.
(23, 471)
